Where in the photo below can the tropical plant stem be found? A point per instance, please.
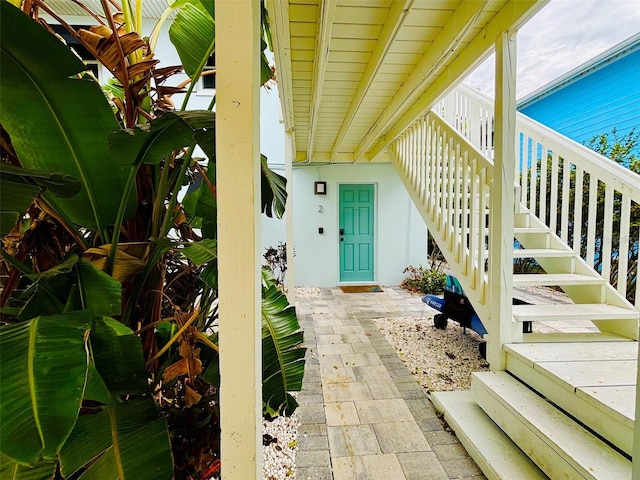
(173, 339)
(212, 104)
(158, 204)
(111, 260)
(168, 219)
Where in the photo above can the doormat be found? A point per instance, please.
(360, 288)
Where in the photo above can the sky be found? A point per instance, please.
(561, 36)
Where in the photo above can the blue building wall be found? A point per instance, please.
(595, 103)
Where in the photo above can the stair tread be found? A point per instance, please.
(573, 337)
(547, 431)
(577, 351)
(528, 279)
(492, 450)
(573, 311)
(518, 230)
(542, 252)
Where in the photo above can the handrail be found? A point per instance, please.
(588, 199)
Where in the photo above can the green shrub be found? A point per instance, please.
(424, 280)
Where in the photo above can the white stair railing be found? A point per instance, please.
(450, 181)
(588, 200)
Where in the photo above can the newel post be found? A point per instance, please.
(238, 196)
(502, 201)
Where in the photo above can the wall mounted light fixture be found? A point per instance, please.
(320, 188)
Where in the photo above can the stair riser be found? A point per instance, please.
(534, 447)
(556, 264)
(533, 239)
(492, 450)
(601, 419)
(559, 446)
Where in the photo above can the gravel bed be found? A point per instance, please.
(279, 446)
(441, 360)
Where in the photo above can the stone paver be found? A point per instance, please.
(363, 415)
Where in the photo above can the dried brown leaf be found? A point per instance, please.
(191, 397)
(141, 67)
(101, 30)
(175, 370)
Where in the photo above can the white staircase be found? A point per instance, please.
(564, 407)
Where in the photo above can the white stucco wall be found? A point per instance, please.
(400, 233)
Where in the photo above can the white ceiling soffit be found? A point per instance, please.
(353, 74)
(150, 8)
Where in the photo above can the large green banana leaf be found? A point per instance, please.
(44, 368)
(124, 438)
(274, 191)
(18, 188)
(193, 34)
(72, 285)
(128, 439)
(152, 142)
(282, 353)
(12, 470)
(57, 122)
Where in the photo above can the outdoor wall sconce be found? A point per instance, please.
(320, 188)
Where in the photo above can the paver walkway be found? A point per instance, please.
(363, 415)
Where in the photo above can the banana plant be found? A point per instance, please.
(108, 343)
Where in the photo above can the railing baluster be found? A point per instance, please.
(607, 236)
(577, 211)
(553, 201)
(543, 185)
(592, 222)
(474, 227)
(483, 234)
(623, 249)
(533, 180)
(465, 248)
(524, 183)
(566, 188)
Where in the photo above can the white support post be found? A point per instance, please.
(289, 279)
(502, 202)
(238, 195)
(635, 470)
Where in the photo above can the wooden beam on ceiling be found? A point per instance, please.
(513, 15)
(323, 41)
(281, 38)
(395, 18)
(445, 45)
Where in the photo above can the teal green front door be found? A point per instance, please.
(356, 233)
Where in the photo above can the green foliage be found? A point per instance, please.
(429, 279)
(424, 279)
(276, 262)
(282, 353)
(109, 362)
(618, 148)
(59, 118)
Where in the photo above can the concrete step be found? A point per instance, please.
(555, 279)
(592, 381)
(492, 450)
(560, 447)
(572, 311)
(573, 337)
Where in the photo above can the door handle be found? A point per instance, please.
(342, 239)
(342, 231)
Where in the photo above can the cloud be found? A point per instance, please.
(563, 35)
